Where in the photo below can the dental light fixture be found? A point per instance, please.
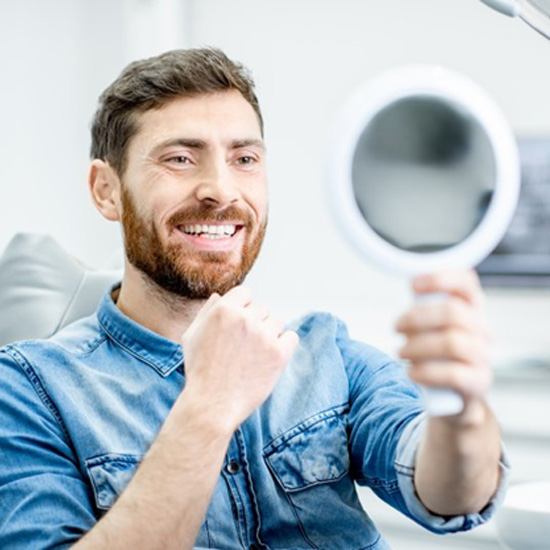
(536, 13)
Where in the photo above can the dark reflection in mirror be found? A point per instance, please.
(423, 174)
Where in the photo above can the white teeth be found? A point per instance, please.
(210, 231)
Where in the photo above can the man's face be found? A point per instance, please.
(194, 194)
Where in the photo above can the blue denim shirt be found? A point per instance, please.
(79, 411)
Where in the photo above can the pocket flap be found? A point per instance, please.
(310, 454)
(110, 474)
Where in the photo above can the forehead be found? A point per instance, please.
(224, 115)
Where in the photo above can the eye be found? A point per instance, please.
(246, 160)
(179, 159)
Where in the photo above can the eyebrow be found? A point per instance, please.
(200, 144)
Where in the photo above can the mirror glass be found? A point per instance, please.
(423, 173)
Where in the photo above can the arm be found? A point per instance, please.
(234, 354)
(165, 503)
(457, 464)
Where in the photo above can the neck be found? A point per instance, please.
(146, 303)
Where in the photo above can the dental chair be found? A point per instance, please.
(43, 288)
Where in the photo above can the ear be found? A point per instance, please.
(104, 185)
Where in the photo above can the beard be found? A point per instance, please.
(197, 274)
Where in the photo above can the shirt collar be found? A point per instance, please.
(158, 352)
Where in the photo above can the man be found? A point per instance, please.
(182, 413)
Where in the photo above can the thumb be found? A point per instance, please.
(208, 305)
(288, 342)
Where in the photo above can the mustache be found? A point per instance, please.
(205, 213)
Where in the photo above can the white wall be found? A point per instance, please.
(57, 55)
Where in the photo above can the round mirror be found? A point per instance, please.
(425, 171)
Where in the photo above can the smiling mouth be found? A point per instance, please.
(211, 232)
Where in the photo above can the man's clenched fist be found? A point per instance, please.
(234, 353)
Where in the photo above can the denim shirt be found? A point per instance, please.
(79, 411)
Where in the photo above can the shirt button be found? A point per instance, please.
(233, 467)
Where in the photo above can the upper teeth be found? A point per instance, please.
(210, 229)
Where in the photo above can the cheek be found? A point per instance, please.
(258, 199)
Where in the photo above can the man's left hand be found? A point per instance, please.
(447, 340)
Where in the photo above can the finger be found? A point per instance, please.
(288, 342)
(207, 306)
(238, 296)
(468, 380)
(454, 345)
(209, 303)
(257, 311)
(273, 326)
(463, 284)
(450, 313)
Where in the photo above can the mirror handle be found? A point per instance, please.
(439, 401)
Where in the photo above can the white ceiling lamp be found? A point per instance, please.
(536, 13)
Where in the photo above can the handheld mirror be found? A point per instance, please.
(424, 176)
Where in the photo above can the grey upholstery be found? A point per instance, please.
(42, 288)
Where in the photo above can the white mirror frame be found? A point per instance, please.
(370, 99)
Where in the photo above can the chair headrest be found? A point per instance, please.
(43, 288)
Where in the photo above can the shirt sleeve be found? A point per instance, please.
(386, 421)
(44, 501)
(404, 465)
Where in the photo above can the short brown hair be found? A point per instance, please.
(152, 82)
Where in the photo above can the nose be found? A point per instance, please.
(216, 186)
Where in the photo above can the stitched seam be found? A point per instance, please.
(38, 387)
(370, 546)
(92, 345)
(404, 469)
(314, 483)
(378, 482)
(239, 436)
(144, 355)
(238, 507)
(302, 426)
(131, 352)
(98, 460)
(207, 530)
(294, 511)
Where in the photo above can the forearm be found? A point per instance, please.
(166, 501)
(457, 468)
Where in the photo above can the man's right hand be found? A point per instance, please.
(234, 354)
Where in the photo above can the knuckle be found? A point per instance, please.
(454, 310)
(455, 377)
(452, 342)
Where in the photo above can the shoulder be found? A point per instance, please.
(321, 328)
(74, 340)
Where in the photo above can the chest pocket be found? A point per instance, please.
(310, 463)
(312, 453)
(110, 475)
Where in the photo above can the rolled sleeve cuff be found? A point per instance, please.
(404, 465)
